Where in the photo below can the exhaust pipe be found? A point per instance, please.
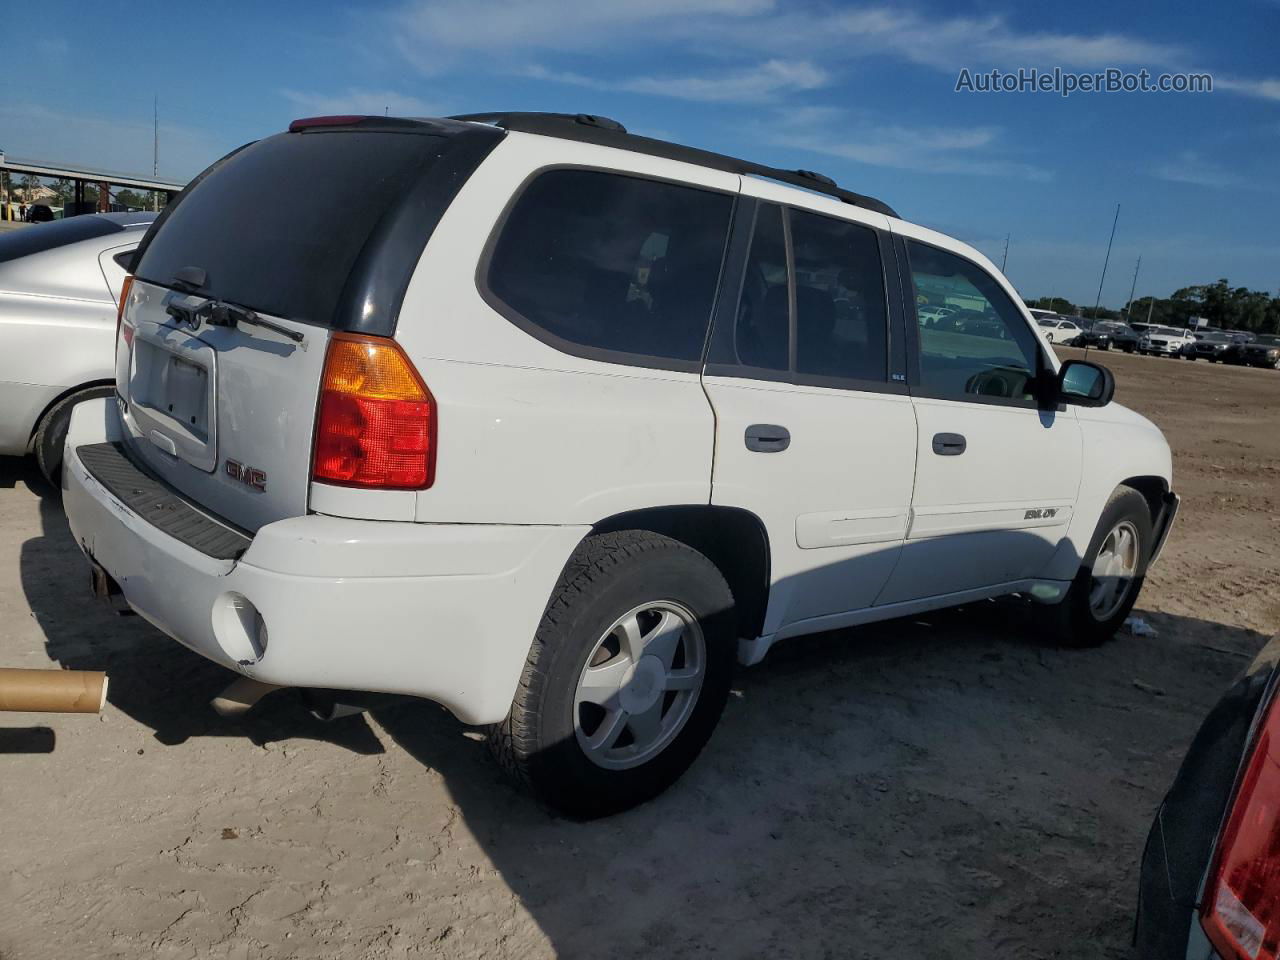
(241, 696)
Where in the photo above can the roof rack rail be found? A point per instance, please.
(589, 128)
(585, 119)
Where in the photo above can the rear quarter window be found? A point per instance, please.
(611, 266)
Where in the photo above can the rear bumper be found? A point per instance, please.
(443, 611)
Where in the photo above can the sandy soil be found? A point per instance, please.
(950, 787)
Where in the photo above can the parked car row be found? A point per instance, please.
(562, 422)
(1219, 346)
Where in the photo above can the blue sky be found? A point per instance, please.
(862, 92)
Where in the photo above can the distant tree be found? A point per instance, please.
(65, 190)
(131, 199)
(1056, 304)
(1099, 313)
(30, 184)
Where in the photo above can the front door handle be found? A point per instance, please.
(767, 438)
(949, 444)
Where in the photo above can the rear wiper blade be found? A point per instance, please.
(229, 315)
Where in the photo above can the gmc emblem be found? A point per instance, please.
(251, 477)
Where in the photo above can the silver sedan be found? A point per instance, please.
(59, 286)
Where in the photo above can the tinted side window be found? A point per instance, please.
(841, 313)
(612, 262)
(984, 348)
(762, 330)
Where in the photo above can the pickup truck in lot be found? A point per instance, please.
(563, 421)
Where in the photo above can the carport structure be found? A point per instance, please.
(102, 179)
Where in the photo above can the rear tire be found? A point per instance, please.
(610, 709)
(1090, 615)
(51, 434)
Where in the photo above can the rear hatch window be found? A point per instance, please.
(284, 226)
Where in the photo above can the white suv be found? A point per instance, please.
(1164, 341)
(550, 423)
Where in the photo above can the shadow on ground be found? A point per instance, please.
(939, 787)
(155, 681)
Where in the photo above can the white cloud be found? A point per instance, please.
(1268, 88)
(354, 101)
(431, 31)
(523, 36)
(963, 150)
(1190, 167)
(759, 84)
(427, 27)
(945, 42)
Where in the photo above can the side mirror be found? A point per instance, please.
(1085, 384)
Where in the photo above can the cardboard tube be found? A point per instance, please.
(52, 691)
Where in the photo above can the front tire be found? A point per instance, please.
(1107, 585)
(51, 434)
(627, 676)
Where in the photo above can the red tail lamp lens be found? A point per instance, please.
(1241, 909)
(122, 328)
(376, 426)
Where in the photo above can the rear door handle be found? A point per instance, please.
(949, 444)
(767, 438)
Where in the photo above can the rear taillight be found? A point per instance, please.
(376, 425)
(123, 329)
(1240, 912)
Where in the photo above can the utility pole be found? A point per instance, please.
(155, 147)
(1097, 303)
(1128, 307)
(1005, 258)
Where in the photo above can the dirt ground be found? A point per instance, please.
(948, 787)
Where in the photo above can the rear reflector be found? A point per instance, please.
(1241, 908)
(376, 425)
